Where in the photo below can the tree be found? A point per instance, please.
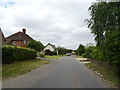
(61, 50)
(69, 50)
(81, 49)
(88, 51)
(36, 45)
(105, 18)
(105, 25)
(112, 48)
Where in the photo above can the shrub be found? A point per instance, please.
(54, 53)
(12, 53)
(97, 54)
(88, 52)
(8, 54)
(24, 53)
(40, 54)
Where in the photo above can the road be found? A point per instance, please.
(66, 72)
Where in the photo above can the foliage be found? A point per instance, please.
(105, 25)
(39, 54)
(88, 52)
(61, 50)
(36, 45)
(105, 18)
(81, 49)
(8, 54)
(53, 53)
(112, 48)
(69, 50)
(24, 54)
(97, 54)
(12, 53)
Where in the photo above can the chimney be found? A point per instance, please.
(24, 31)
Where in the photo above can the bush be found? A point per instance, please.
(24, 53)
(8, 54)
(54, 53)
(88, 52)
(40, 54)
(97, 54)
(12, 53)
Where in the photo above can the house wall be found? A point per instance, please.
(19, 43)
(49, 47)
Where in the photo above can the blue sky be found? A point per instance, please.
(50, 21)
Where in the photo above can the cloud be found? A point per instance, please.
(58, 22)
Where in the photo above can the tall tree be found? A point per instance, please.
(105, 25)
(36, 45)
(81, 49)
(105, 18)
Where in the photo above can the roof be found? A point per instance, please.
(51, 45)
(2, 34)
(19, 36)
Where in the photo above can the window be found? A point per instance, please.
(24, 42)
(13, 42)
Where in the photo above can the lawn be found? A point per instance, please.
(54, 56)
(21, 67)
(106, 73)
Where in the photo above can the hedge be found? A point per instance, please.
(8, 54)
(13, 53)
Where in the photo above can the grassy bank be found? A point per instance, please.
(21, 67)
(77, 56)
(105, 73)
(54, 56)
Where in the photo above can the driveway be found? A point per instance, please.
(67, 72)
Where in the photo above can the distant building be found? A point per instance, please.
(18, 39)
(49, 47)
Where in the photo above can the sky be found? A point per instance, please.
(59, 22)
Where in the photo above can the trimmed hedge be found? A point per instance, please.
(8, 54)
(13, 53)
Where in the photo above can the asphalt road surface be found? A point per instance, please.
(66, 72)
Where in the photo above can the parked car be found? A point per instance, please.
(68, 54)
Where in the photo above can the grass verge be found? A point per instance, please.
(21, 67)
(54, 56)
(105, 73)
(77, 56)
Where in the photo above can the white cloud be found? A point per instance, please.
(60, 22)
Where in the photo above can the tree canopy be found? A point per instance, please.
(36, 45)
(81, 49)
(105, 25)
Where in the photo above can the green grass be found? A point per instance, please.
(21, 67)
(54, 56)
(77, 56)
(106, 73)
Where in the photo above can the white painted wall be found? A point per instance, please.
(49, 47)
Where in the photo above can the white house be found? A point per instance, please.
(49, 47)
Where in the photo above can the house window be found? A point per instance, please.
(13, 42)
(24, 41)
